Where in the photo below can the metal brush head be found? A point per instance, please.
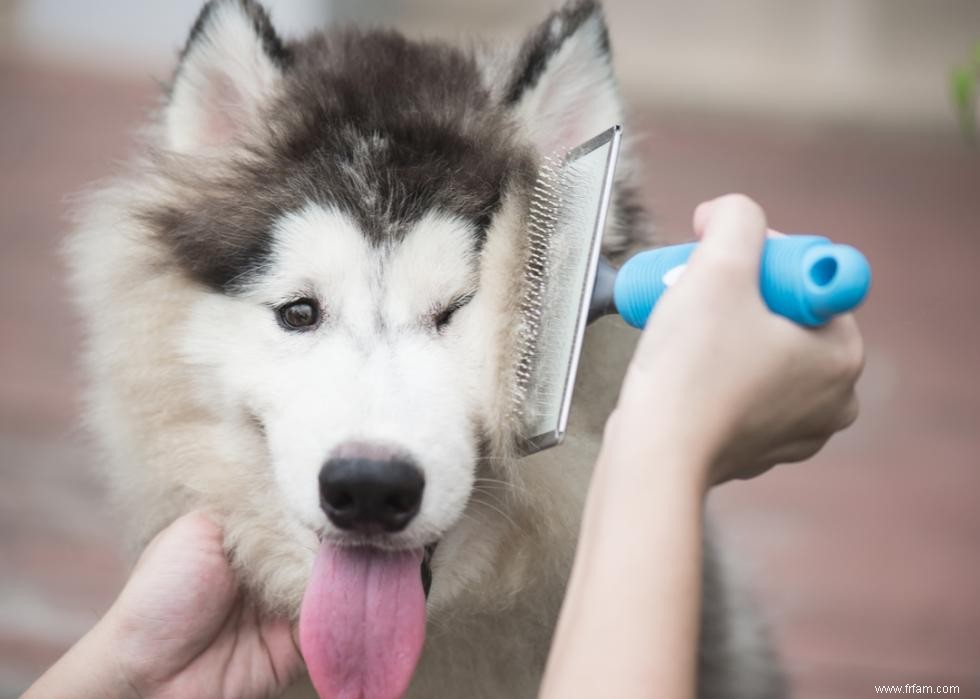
(566, 220)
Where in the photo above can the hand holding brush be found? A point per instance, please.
(719, 388)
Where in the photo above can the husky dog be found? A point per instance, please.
(301, 301)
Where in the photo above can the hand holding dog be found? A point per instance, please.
(180, 628)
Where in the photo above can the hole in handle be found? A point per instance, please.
(823, 271)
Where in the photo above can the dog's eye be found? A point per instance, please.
(441, 319)
(299, 315)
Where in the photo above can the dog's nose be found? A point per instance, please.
(370, 495)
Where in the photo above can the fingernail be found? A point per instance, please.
(702, 213)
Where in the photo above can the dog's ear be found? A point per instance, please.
(563, 87)
(230, 67)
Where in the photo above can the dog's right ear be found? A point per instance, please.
(229, 69)
(562, 88)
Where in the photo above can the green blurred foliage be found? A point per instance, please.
(964, 82)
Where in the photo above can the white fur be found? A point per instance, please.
(225, 80)
(576, 98)
(176, 371)
(375, 371)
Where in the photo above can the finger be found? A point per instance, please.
(732, 225)
(168, 532)
(841, 329)
(701, 214)
(849, 414)
(845, 345)
(853, 354)
(797, 451)
(770, 232)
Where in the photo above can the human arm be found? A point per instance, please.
(719, 388)
(180, 628)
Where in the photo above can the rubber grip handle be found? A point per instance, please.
(805, 278)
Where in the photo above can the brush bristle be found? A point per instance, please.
(546, 205)
(565, 221)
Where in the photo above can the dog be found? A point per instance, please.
(301, 297)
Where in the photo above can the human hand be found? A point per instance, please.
(732, 385)
(180, 628)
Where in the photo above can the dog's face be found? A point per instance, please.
(344, 349)
(352, 207)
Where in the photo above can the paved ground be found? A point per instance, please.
(867, 559)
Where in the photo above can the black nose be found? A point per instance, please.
(370, 495)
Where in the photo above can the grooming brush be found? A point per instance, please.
(805, 278)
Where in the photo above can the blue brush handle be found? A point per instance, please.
(805, 278)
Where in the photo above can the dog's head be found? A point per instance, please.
(354, 204)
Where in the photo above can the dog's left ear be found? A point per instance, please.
(563, 87)
(229, 69)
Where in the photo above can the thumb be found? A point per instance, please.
(732, 228)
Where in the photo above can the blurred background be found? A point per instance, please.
(836, 114)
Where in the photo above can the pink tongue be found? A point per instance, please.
(362, 623)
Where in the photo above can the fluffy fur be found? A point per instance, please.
(388, 181)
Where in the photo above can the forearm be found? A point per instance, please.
(88, 670)
(629, 624)
(706, 399)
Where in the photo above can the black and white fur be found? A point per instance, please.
(386, 181)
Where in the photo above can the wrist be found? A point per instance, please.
(655, 450)
(91, 668)
(118, 680)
